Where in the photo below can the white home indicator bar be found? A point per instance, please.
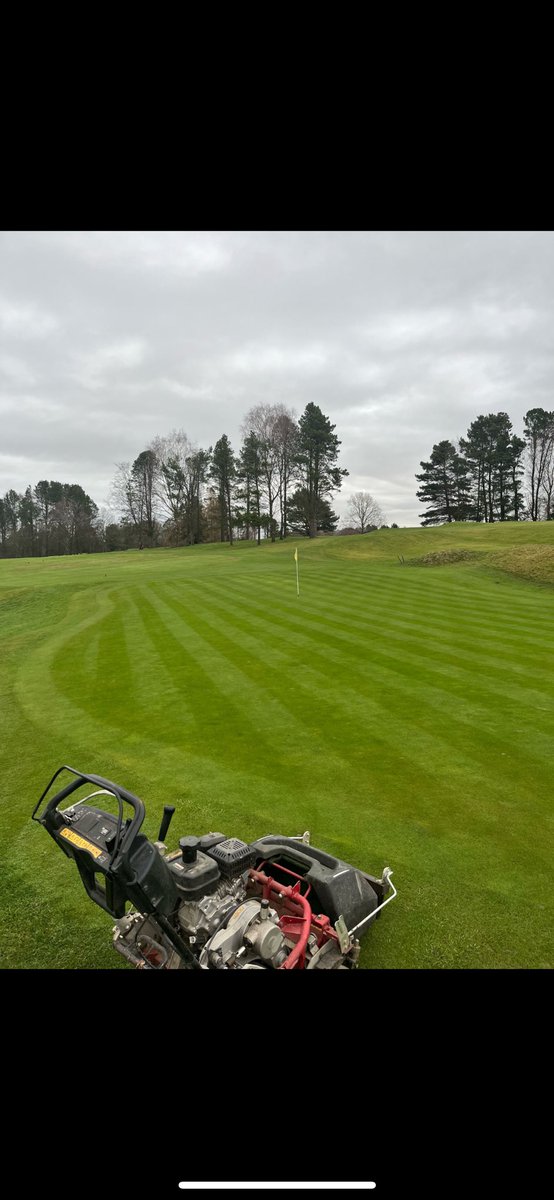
(333, 1187)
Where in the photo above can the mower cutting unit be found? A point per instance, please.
(216, 903)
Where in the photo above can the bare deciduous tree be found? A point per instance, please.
(261, 420)
(548, 490)
(539, 436)
(364, 511)
(285, 434)
(276, 430)
(182, 470)
(133, 493)
(171, 453)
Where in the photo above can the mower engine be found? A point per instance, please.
(216, 902)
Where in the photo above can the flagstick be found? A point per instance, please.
(297, 583)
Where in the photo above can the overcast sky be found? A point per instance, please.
(401, 338)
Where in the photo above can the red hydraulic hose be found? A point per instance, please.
(294, 897)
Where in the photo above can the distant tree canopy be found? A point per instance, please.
(52, 518)
(279, 482)
(492, 474)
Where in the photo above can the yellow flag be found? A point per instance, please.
(295, 554)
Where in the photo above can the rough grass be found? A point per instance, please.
(443, 558)
(404, 717)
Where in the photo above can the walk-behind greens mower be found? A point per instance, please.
(216, 902)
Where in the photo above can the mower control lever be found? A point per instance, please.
(169, 809)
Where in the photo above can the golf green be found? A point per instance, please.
(402, 713)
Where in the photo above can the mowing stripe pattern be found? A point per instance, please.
(404, 716)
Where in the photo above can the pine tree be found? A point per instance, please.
(223, 471)
(318, 450)
(444, 486)
(249, 474)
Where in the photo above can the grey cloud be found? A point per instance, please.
(108, 339)
(25, 321)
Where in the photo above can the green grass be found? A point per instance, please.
(404, 716)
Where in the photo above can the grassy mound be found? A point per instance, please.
(535, 563)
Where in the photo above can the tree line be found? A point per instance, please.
(174, 493)
(492, 474)
(51, 518)
(278, 483)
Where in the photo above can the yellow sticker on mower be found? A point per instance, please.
(81, 842)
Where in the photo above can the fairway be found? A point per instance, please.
(402, 713)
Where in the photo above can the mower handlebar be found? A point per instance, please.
(106, 784)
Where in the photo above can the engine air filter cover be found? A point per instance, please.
(232, 856)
